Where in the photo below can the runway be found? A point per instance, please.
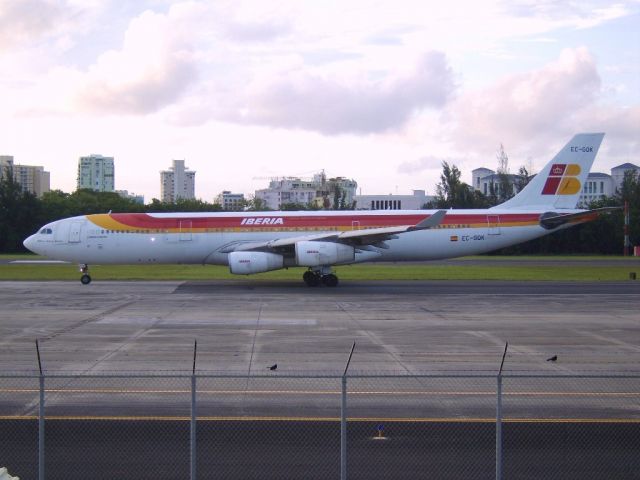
(245, 326)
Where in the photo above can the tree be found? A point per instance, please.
(629, 192)
(255, 204)
(20, 213)
(453, 193)
(524, 177)
(504, 189)
(293, 206)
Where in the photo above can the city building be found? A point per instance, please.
(478, 175)
(287, 190)
(596, 187)
(33, 179)
(177, 182)
(617, 174)
(483, 178)
(393, 202)
(96, 172)
(317, 191)
(600, 185)
(131, 196)
(230, 201)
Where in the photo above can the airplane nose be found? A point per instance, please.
(30, 243)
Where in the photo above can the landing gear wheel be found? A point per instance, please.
(312, 279)
(85, 279)
(330, 280)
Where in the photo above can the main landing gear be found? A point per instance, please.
(313, 278)
(85, 279)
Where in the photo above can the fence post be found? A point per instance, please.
(40, 419)
(343, 431)
(192, 442)
(499, 429)
(499, 416)
(193, 428)
(41, 431)
(343, 420)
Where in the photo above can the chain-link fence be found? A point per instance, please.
(301, 426)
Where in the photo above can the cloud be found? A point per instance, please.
(528, 107)
(534, 112)
(585, 14)
(23, 21)
(359, 106)
(256, 31)
(428, 162)
(154, 67)
(621, 126)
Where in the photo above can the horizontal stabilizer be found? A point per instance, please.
(551, 220)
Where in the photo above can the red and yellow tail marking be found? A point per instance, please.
(562, 180)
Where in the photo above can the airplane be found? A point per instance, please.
(255, 242)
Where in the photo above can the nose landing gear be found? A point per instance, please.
(85, 279)
(313, 278)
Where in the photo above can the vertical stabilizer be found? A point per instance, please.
(559, 183)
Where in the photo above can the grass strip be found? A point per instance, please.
(533, 272)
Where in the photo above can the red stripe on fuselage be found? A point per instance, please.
(145, 221)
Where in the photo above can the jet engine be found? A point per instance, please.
(314, 254)
(245, 263)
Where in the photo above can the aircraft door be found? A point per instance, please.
(493, 222)
(355, 224)
(185, 230)
(74, 232)
(61, 232)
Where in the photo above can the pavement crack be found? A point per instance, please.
(253, 343)
(81, 323)
(375, 340)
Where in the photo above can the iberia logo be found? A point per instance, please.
(562, 180)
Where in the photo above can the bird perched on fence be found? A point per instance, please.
(552, 359)
(273, 367)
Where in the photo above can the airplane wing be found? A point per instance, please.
(357, 238)
(552, 220)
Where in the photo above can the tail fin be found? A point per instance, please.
(559, 183)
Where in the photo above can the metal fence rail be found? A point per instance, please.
(210, 425)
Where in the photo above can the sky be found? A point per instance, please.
(379, 91)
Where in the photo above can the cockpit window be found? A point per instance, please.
(46, 231)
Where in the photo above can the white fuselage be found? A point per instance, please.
(206, 238)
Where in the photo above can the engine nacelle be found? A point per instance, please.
(245, 263)
(314, 254)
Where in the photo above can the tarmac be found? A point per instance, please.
(244, 326)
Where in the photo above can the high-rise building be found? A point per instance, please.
(33, 179)
(96, 172)
(177, 182)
